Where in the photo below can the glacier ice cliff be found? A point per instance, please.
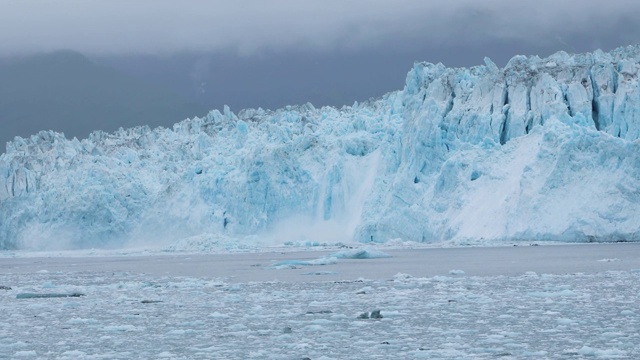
(542, 149)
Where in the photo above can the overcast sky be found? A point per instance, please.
(270, 53)
(251, 26)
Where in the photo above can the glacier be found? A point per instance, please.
(542, 149)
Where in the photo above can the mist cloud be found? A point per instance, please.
(250, 26)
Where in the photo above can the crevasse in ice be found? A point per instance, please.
(544, 149)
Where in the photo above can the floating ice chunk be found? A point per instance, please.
(180, 332)
(456, 272)
(329, 260)
(506, 316)
(535, 354)
(598, 353)
(319, 273)
(393, 313)
(612, 335)
(361, 254)
(76, 321)
(313, 328)
(165, 354)
(550, 294)
(320, 312)
(440, 354)
(402, 277)
(609, 260)
(218, 315)
(25, 353)
(565, 321)
(292, 262)
(123, 328)
(284, 264)
(237, 327)
(50, 295)
(74, 354)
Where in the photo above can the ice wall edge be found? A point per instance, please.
(542, 149)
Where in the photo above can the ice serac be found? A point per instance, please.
(543, 149)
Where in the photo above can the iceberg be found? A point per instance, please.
(360, 254)
(542, 149)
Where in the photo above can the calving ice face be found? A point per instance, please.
(543, 149)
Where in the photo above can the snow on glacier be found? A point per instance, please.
(543, 149)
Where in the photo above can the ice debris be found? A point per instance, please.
(47, 295)
(360, 254)
(320, 273)
(285, 264)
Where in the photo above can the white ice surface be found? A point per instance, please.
(566, 305)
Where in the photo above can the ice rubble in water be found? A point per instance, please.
(544, 149)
